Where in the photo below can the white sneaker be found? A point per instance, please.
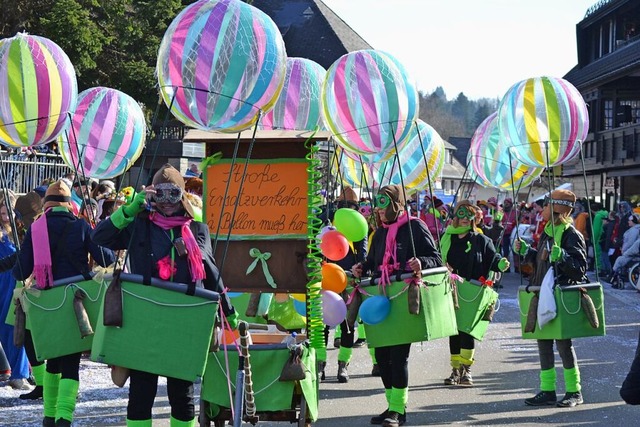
(19, 384)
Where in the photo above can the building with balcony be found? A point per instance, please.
(608, 77)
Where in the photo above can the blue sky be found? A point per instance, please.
(479, 47)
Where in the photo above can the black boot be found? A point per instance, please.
(34, 394)
(321, 366)
(343, 374)
(48, 422)
(61, 422)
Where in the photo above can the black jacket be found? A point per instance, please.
(151, 243)
(571, 269)
(70, 244)
(425, 248)
(478, 261)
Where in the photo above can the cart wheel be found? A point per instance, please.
(203, 418)
(302, 420)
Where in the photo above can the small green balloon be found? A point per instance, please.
(351, 223)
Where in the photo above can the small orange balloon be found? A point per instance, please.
(333, 278)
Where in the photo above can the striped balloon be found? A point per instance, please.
(489, 158)
(413, 170)
(221, 62)
(355, 171)
(369, 102)
(38, 88)
(299, 106)
(545, 120)
(107, 135)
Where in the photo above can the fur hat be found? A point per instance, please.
(193, 185)
(29, 207)
(169, 174)
(58, 194)
(493, 201)
(563, 201)
(348, 195)
(437, 203)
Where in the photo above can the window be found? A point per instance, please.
(629, 112)
(607, 111)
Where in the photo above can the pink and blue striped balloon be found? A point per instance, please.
(411, 168)
(220, 63)
(299, 106)
(489, 157)
(38, 89)
(545, 120)
(107, 135)
(369, 102)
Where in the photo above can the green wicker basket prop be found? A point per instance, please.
(437, 318)
(164, 331)
(571, 320)
(474, 299)
(52, 319)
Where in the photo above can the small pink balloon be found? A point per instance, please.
(334, 245)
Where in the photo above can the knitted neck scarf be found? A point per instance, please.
(194, 256)
(555, 231)
(445, 242)
(42, 265)
(390, 249)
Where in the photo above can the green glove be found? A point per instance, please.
(233, 320)
(136, 206)
(503, 264)
(524, 248)
(557, 254)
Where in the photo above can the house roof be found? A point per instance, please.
(610, 67)
(311, 30)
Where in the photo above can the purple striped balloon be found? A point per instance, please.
(107, 134)
(299, 106)
(38, 89)
(220, 63)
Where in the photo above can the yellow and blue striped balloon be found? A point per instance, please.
(38, 88)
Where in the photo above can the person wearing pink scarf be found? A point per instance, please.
(396, 249)
(170, 245)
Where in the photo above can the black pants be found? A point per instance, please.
(462, 340)
(565, 350)
(630, 390)
(68, 366)
(143, 387)
(30, 350)
(347, 335)
(394, 365)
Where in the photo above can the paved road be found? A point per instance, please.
(506, 372)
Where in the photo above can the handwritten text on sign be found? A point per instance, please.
(273, 201)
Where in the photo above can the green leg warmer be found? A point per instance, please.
(338, 333)
(344, 354)
(466, 356)
(38, 373)
(372, 352)
(67, 395)
(399, 398)
(139, 423)
(455, 361)
(572, 380)
(548, 379)
(321, 354)
(50, 385)
(387, 394)
(177, 423)
(361, 334)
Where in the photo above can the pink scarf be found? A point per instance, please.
(42, 267)
(194, 256)
(386, 268)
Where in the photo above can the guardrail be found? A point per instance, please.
(22, 172)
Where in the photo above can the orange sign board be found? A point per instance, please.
(272, 202)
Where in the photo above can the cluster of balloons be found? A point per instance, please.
(541, 122)
(102, 131)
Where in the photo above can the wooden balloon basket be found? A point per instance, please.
(256, 206)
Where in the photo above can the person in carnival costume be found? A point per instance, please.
(562, 246)
(471, 255)
(392, 252)
(156, 252)
(57, 246)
